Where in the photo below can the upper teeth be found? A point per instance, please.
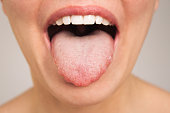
(82, 20)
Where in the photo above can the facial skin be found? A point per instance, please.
(27, 18)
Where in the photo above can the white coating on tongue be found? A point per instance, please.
(82, 60)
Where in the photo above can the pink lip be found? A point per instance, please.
(82, 10)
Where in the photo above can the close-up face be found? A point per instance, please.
(80, 51)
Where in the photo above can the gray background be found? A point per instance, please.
(153, 64)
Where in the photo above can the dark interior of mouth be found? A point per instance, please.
(81, 30)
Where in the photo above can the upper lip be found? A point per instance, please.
(82, 10)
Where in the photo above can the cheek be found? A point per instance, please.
(136, 8)
(21, 9)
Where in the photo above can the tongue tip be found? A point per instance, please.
(81, 82)
(83, 79)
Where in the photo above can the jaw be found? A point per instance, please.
(47, 74)
(41, 60)
(82, 95)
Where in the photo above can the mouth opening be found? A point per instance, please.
(82, 30)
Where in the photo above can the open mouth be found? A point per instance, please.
(82, 43)
(82, 26)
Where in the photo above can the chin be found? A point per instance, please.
(70, 94)
(82, 96)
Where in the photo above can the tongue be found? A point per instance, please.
(82, 60)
